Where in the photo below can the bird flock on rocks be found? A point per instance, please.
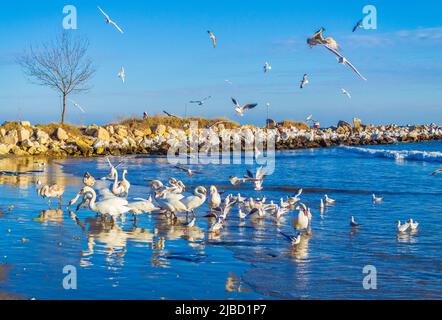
(317, 39)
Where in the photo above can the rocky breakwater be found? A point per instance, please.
(24, 139)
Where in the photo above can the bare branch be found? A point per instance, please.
(61, 64)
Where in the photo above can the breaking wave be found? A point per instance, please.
(413, 155)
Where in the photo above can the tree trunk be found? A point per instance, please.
(64, 108)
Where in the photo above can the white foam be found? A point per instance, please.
(430, 156)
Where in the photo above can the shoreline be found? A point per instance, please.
(140, 137)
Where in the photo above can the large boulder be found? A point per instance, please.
(99, 133)
(11, 137)
(159, 129)
(4, 149)
(121, 132)
(25, 123)
(23, 134)
(60, 134)
(41, 136)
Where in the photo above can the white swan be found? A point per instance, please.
(302, 221)
(215, 198)
(110, 207)
(120, 188)
(197, 200)
(142, 206)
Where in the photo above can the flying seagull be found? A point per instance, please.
(212, 37)
(436, 172)
(241, 109)
(344, 61)
(267, 67)
(109, 20)
(318, 38)
(170, 115)
(346, 93)
(200, 102)
(304, 81)
(190, 172)
(122, 74)
(358, 25)
(228, 81)
(77, 106)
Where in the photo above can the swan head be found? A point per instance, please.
(156, 184)
(181, 185)
(213, 190)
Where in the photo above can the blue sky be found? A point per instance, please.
(169, 59)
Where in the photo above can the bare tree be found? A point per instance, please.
(61, 64)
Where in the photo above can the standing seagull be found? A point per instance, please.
(122, 74)
(267, 67)
(109, 20)
(241, 109)
(353, 222)
(346, 93)
(212, 37)
(358, 25)
(304, 81)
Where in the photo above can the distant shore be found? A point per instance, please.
(154, 136)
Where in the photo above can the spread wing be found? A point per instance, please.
(348, 63)
(235, 102)
(249, 106)
(104, 13)
(116, 26)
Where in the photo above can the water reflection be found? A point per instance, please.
(51, 216)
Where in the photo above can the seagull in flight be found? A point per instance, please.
(239, 109)
(358, 25)
(436, 172)
(77, 106)
(228, 81)
(190, 172)
(304, 81)
(343, 60)
(200, 102)
(110, 21)
(170, 114)
(318, 38)
(122, 74)
(212, 37)
(267, 67)
(346, 93)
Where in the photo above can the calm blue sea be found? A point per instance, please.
(248, 260)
